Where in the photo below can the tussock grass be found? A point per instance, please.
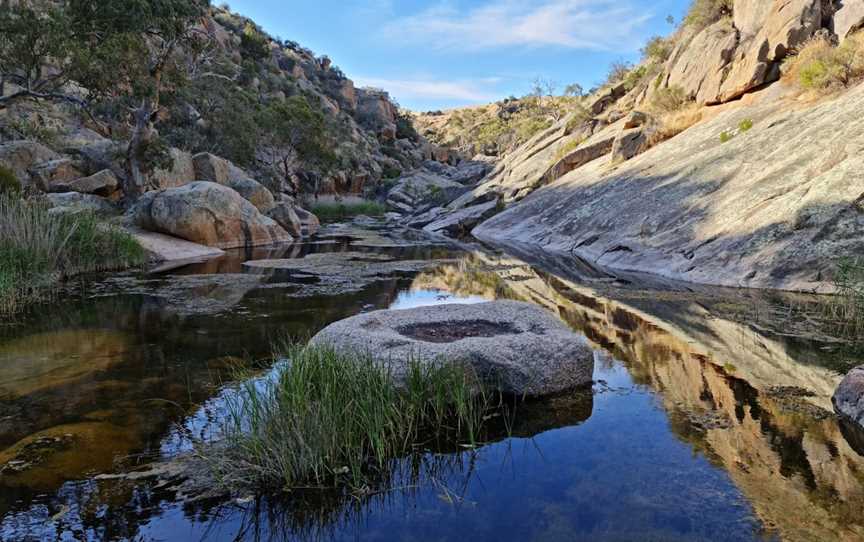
(704, 13)
(38, 249)
(335, 211)
(330, 418)
(672, 123)
(820, 66)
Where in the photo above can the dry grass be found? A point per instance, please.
(673, 123)
(820, 66)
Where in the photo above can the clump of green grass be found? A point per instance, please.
(745, 126)
(335, 211)
(331, 418)
(38, 249)
(726, 136)
(9, 183)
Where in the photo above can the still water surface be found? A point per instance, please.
(704, 423)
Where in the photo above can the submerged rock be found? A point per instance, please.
(519, 347)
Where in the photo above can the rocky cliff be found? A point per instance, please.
(703, 164)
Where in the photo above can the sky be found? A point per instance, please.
(440, 54)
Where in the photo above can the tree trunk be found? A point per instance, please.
(142, 135)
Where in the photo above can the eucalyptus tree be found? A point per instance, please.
(122, 55)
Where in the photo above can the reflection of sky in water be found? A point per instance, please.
(636, 469)
(425, 298)
(620, 475)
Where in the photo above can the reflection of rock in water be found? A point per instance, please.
(749, 403)
(49, 359)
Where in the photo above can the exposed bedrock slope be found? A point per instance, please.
(772, 207)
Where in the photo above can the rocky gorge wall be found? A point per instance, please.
(770, 208)
(763, 191)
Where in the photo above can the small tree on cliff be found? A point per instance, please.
(291, 133)
(125, 53)
(132, 53)
(30, 42)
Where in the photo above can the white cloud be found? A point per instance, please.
(612, 25)
(423, 89)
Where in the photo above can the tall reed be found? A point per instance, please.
(38, 249)
(331, 418)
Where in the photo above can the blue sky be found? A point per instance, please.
(437, 54)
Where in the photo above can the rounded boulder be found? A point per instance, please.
(517, 347)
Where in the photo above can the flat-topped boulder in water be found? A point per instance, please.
(518, 347)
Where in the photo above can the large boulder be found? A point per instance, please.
(788, 24)
(848, 400)
(737, 55)
(209, 214)
(699, 65)
(181, 171)
(285, 215)
(218, 170)
(460, 222)
(420, 188)
(517, 347)
(309, 223)
(849, 18)
(50, 175)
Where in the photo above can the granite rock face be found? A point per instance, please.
(208, 214)
(517, 347)
(771, 208)
(849, 398)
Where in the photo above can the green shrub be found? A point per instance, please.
(821, 66)
(329, 417)
(253, 43)
(657, 50)
(745, 125)
(390, 172)
(725, 136)
(405, 127)
(635, 76)
(39, 249)
(9, 183)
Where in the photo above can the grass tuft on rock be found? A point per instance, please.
(822, 67)
(38, 249)
(335, 211)
(330, 418)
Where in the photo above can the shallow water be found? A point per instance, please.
(707, 421)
